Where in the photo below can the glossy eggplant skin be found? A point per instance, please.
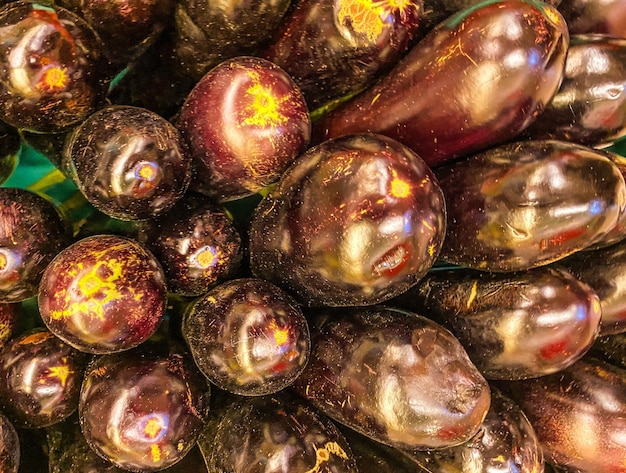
(595, 16)
(527, 204)
(273, 433)
(479, 78)
(334, 48)
(128, 28)
(590, 106)
(40, 379)
(208, 32)
(354, 221)
(506, 442)
(578, 414)
(247, 336)
(397, 377)
(603, 270)
(514, 325)
(53, 73)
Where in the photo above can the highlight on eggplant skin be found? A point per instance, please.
(590, 105)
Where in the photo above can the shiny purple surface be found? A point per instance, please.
(248, 337)
(354, 221)
(103, 294)
(143, 412)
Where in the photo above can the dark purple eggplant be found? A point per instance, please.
(595, 16)
(590, 106)
(126, 29)
(527, 204)
(354, 221)
(513, 326)
(53, 73)
(129, 162)
(578, 414)
(196, 243)
(40, 379)
(143, 410)
(506, 442)
(245, 121)
(248, 337)
(32, 232)
(334, 48)
(208, 33)
(603, 269)
(397, 377)
(273, 434)
(479, 78)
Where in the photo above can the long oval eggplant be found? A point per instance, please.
(479, 78)
(514, 325)
(527, 204)
(578, 414)
(590, 106)
(397, 377)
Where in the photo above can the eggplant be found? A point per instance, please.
(394, 376)
(603, 269)
(208, 32)
(506, 442)
(578, 414)
(477, 79)
(336, 48)
(595, 16)
(353, 221)
(590, 106)
(514, 325)
(273, 433)
(528, 204)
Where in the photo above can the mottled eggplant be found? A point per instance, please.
(477, 79)
(336, 48)
(527, 204)
(513, 326)
(590, 106)
(41, 379)
(273, 433)
(604, 270)
(394, 376)
(578, 414)
(354, 221)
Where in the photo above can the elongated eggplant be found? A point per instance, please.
(513, 326)
(604, 270)
(395, 376)
(334, 48)
(527, 204)
(595, 16)
(590, 106)
(506, 442)
(273, 434)
(354, 221)
(578, 414)
(479, 78)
